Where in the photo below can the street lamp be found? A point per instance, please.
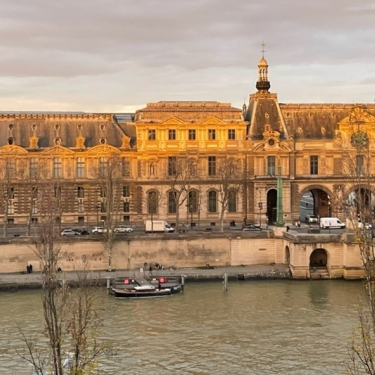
(260, 205)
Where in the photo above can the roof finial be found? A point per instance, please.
(263, 50)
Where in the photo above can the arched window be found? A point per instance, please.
(212, 201)
(192, 201)
(152, 202)
(172, 206)
(232, 201)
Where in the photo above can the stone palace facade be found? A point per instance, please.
(201, 163)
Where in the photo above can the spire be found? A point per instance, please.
(263, 84)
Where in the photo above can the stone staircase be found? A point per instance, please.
(319, 273)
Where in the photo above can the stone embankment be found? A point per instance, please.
(19, 281)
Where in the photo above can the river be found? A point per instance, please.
(256, 327)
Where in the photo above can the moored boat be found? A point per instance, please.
(141, 291)
(141, 287)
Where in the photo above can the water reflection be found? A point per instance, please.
(257, 327)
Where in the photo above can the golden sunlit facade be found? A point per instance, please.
(198, 163)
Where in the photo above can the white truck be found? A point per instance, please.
(331, 222)
(157, 226)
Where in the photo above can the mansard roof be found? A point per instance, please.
(196, 111)
(65, 127)
(301, 121)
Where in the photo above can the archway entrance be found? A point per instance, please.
(315, 202)
(287, 255)
(318, 258)
(272, 206)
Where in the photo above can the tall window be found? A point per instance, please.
(11, 193)
(211, 134)
(57, 167)
(33, 167)
(172, 134)
(232, 201)
(271, 163)
(125, 168)
(151, 134)
(34, 193)
(57, 191)
(172, 206)
(212, 201)
(126, 207)
(212, 165)
(314, 164)
(172, 161)
(232, 134)
(10, 207)
(152, 202)
(359, 164)
(34, 207)
(81, 207)
(102, 166)
(193, 201)
(80, 192)
(11, 168)
(81, 166)
(126, 191)
(192, 136)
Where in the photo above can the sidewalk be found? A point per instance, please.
(15, 281)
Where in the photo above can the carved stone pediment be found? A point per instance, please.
(12, 149)
(58, 150)
(358, 123)
(103, 149)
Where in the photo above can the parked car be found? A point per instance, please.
(68, 232)
(310, 219)
(84, 232)
(251, 227)
(98, 230)
(122, 229)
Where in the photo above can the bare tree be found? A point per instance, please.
(229, 178)
(180, 173)
(71, 320)
(358, 205)
(7, 189)
(110, 185)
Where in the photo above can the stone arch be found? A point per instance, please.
(287, 255)
(314, 187)
(321, 202)
(318, 258)
(271, 209)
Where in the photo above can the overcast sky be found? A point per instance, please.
(118, 55)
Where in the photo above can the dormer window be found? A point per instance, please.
(102, 141)
(57, 141)
(10, 141)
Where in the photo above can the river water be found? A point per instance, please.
(256, 327)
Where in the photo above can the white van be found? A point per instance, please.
(331, 222)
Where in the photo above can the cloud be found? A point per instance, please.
(101, 54)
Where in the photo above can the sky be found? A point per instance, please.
(119, 55)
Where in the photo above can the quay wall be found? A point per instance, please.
(189, 251)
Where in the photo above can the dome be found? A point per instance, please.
(262, 62)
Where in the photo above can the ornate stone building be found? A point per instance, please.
(197, 162)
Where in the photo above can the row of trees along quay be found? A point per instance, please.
(69, 341)
(359, 207)
(183, 182)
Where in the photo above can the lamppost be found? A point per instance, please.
(260, 205)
